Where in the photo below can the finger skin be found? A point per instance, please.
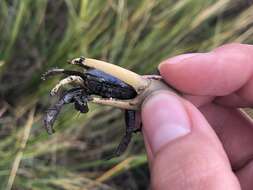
(234, 130)
(245, 176)
(231, 63)
(193, 161)
(149, 153)
(226, 70)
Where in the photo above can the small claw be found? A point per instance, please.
(67, 97)
(70, 79)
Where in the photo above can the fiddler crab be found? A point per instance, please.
(103, 83)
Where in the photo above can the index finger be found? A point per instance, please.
(226, 71)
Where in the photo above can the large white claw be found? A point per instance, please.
(136, 81)
(143, 85)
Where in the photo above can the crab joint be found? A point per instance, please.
(136, 81)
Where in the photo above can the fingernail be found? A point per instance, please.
(178, 59)
(164, 119)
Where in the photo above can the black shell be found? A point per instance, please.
(107, 86)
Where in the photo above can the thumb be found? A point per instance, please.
(184, 151)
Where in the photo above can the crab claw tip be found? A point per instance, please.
(45, 75)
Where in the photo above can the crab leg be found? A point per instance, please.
(57, 71)
(138, 82)
(68, 97)
(123, 104)
(71, 79)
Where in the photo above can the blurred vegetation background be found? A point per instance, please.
(37, 35)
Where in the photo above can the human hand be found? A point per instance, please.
(187, 150)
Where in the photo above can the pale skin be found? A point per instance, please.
(201, 140)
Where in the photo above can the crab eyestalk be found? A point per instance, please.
(136, 81)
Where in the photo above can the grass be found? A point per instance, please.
(37, 35)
